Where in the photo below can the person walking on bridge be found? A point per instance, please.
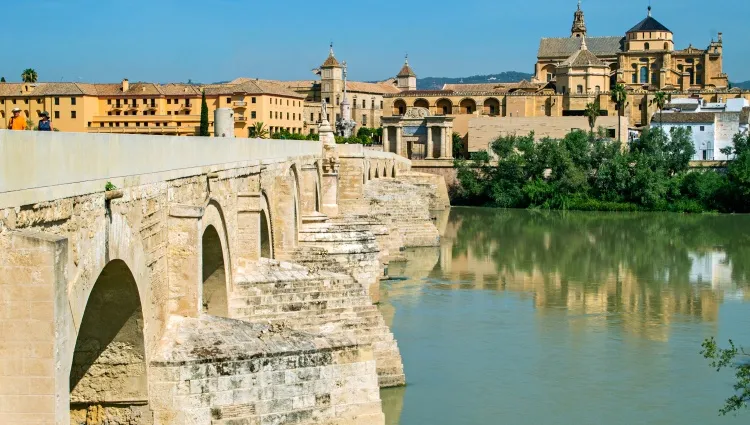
(44, 123)
(17, 122)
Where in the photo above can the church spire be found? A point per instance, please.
(579, 23)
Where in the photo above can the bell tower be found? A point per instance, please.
(579, 24)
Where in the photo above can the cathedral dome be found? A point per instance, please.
(649, 24)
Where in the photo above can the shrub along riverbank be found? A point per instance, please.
(582, 172)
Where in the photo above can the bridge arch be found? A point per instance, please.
(216, 261)
(266, 230)
(286, 215)
(108, 367)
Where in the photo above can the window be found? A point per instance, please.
(294, 116)
(703, 128)
(271, 112)
(276, 114)
(287, 115)
(597, 89)
(145, 101)
(179, 124)
(364, 103)
(14, 101)
(373, 104)
(72, 100)
(117, 124)
(698, 79)
(169, 112)
(101, 124)
(57, 101)
(126, 124)
(666, 46)
(111, 125)
(312, 117)
(169, 101)
(253, 100)
(57, 114)
(320, 117)
(109, 112)
(549, 77)
(137, 124)
(644, 75)
(252, 115)
(26, 101)
(646, 46)
(109, 102)
(381, 104)
(287, 102)
(579, 89)
(73, 114)
(364, 120)
(229, 100)
(328, 100)
(89, 123)
(145, 124)
(338, 117)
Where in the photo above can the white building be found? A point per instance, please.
(713, 124)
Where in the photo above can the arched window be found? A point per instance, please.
(597, 89)
(666, 46)
(646, 46)
(644, 75)
(579, 89)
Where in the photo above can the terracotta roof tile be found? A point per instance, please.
(582, 58)
(563, 47)
(686, 117)
(406, 71)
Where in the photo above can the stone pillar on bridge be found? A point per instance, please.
(330, 184)
(248, 231)
(184, 260)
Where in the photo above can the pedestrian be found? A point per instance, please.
(17, 122)
(44, 123)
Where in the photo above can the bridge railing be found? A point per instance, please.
(41, 166)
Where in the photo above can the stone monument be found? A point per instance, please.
(345, 125)
(330, 165)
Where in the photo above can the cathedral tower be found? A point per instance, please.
(579, 24)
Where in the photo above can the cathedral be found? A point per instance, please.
(644, 59)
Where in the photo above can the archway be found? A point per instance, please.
(266, 232)
(285, 216)
(444, 106)
(377, 172)
(422, 103)
(548, 72)
(491, 106)
(468, 106)
(215, 300)
(108, 375)
(399, 107)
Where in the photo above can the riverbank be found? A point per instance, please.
(581, 172)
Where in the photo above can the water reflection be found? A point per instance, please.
(634, 277)
(644, 270)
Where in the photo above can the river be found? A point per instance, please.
(525, 317)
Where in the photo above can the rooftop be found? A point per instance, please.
(686, 118)
(563, 47)
(649, 24)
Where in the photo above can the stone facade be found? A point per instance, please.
(166, 301)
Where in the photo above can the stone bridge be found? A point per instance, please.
(185, 280)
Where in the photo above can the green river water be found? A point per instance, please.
(523, 317)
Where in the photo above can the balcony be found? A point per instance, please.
(240, 118)
(239, 104)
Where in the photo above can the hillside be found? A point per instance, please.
(745, 85)
(436, 83)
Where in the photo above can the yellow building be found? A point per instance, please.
(150, 108)
(366, 99)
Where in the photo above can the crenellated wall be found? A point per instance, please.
(110, 298)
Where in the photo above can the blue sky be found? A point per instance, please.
(207, 41)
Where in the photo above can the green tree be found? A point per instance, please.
(661, 99)
(2, 79)
(458, 145)
(592, 113)
(29, 76)
(258, 130)
(731, 358)
(619, 96)
(203, 130)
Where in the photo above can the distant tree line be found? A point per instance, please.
(586, 172)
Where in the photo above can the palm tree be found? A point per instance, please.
(661, 99)
(259, 130)
(592, 112)
(29, 76)
(619, 96)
